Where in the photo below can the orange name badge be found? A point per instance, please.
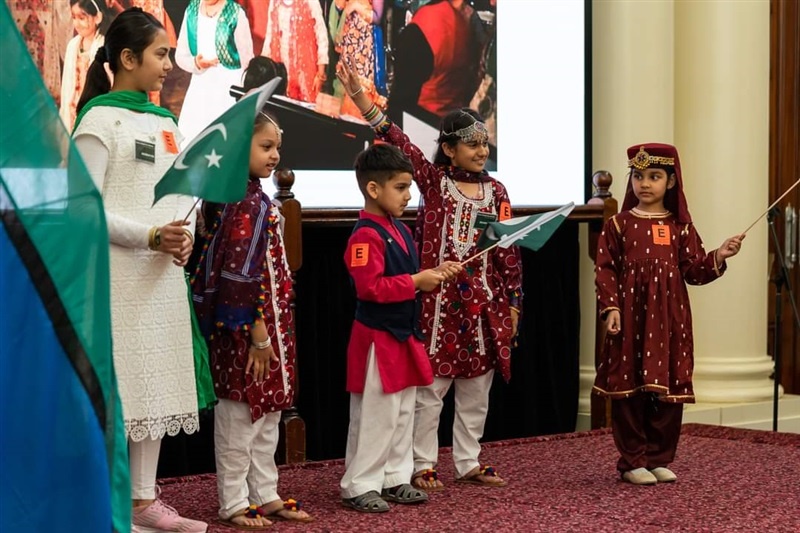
(660, 234)
(359, 255)
(505, 211)
(169, 142)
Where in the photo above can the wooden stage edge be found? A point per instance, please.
(348, 216)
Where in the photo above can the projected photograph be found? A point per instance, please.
(417, 60)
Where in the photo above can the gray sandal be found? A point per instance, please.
(405, 493)
(369, 502)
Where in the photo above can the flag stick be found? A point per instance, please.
(770, 207)
(465, 261)
(192, 209)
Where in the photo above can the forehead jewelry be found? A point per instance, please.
(475, 132)
(271, 121)
(642, 160)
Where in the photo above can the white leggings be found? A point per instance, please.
(144, 464)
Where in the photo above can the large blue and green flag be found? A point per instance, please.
(63, 455)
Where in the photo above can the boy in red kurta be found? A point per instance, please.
(386, 361)
(645, 257)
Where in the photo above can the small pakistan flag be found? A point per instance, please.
(215, 166)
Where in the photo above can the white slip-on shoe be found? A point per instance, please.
(664, 475)
(639, 476)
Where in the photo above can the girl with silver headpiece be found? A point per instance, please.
(471, 322)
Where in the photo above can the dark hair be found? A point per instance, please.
(265, 117)
(133, 29)
(669, 169)
(93, 8)
(380, 163)
(452, 122)
(262, 69)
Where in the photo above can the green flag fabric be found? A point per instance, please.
(530, 232)
(216, 164)
(64, 455)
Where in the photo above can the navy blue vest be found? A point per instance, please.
(401, 319)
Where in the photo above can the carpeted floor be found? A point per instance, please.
(730, 480)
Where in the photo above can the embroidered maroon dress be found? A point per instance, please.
(467, 324)
(642, 268)
(243, 275)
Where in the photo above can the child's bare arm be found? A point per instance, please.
(729, 248)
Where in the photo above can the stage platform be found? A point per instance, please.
(729, 480)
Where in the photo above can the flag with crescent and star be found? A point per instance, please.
(215, 166)
(530, 232)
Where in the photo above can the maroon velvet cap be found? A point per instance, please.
(658, 155)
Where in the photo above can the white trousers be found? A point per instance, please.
(471, 407)
(379, 439)
(245, 456)
(143, 462)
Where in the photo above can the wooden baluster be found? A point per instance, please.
(602, 180)
(293, 426)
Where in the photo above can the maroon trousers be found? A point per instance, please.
(646, 431)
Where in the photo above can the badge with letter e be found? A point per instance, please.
(359, 255)
(169, 142)
(661, 234)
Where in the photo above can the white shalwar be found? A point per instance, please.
(471, 407)
(379, 439)
(245, 456)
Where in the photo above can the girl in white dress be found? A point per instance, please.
(213, 45)
(127, 143)
(90, 20)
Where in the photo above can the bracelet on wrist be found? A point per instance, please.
(261, 345)
(154, 238)
(354, 94)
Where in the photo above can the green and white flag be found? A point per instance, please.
(216, 164)
(530, 232)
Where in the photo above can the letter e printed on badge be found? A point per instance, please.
(505, 211)
(359, 255)
(660, 234)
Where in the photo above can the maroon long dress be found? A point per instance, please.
(642, 268)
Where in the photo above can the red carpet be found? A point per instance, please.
(729, 480)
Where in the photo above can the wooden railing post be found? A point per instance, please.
(602, 180)
(293, 426)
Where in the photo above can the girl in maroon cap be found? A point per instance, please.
(645, 257)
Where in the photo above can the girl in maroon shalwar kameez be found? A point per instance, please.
(241, 292)
(645, 257)
(469, 325)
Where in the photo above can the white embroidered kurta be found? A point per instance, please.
(208, 95)
(151, 329)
